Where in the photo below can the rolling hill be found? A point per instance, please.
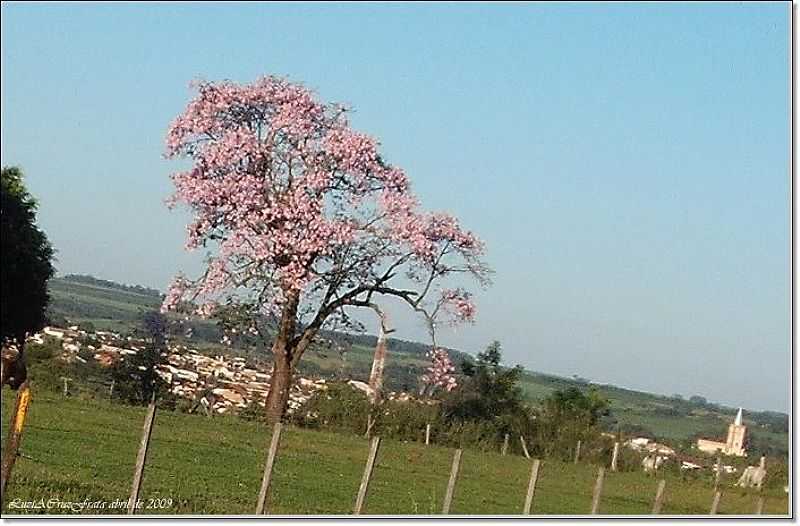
(102, 304)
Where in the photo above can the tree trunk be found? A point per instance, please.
(283, 366)
(280, 384)
(378, 364)
(379, 359)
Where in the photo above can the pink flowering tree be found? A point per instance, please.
(440, 374)
(453, 307)
(302, 218)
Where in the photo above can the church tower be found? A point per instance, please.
(734, 445)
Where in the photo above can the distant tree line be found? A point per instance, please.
(91, 280)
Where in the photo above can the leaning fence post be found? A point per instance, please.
(267, 478)
(370, 425)
(427, 434)
(762, 463)
(524, 447)
(526, 510)
(505, 445)
(715, 502)
(760, 505)
(142, 456)
(615, 456)
(598, 490)
(21, 406)
(658, 502)
(362, 489)
(578, 452)
(451, 484)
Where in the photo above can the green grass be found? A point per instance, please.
(76, 449)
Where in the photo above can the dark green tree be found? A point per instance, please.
(25, 268)
(567, 416)
(488, 391)
(136, 378)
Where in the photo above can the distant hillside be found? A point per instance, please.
(107, 305)
(104, 283)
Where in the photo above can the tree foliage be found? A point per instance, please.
(135, 378)
(567, 416)
(489, 391)
(26, 261)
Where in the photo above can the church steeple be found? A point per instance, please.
(738, 420)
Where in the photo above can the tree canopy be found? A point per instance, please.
(26, 262)
(136, 377)
(488, 391)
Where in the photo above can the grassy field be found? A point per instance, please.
(75, 449)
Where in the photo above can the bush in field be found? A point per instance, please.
(488, 392)
(405, 420)
(339, 408)
(777, 473)
(44, 352)
(342, 408)
(135, 377)
(566, 417)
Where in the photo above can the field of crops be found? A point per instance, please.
(74, 450)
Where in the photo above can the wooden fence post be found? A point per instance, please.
(762, 463)
(615, 456)
(659, 500)
(142, 456)
(427, 434)
(18, 417)
(760, 505)
(715, 502)
(362, 489)
(261, 507)
(505, 445)
(524, 447)
(111, 389)
(718, 475)
(451, 484)
(578, 452)
(370, 425)
(598, 490)
(526, 510)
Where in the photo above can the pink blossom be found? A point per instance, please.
(290, 201)
(174, 294)
(459, 303)
(440, 372)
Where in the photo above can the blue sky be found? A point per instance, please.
(628, 165)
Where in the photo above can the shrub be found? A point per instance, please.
(340, 407)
